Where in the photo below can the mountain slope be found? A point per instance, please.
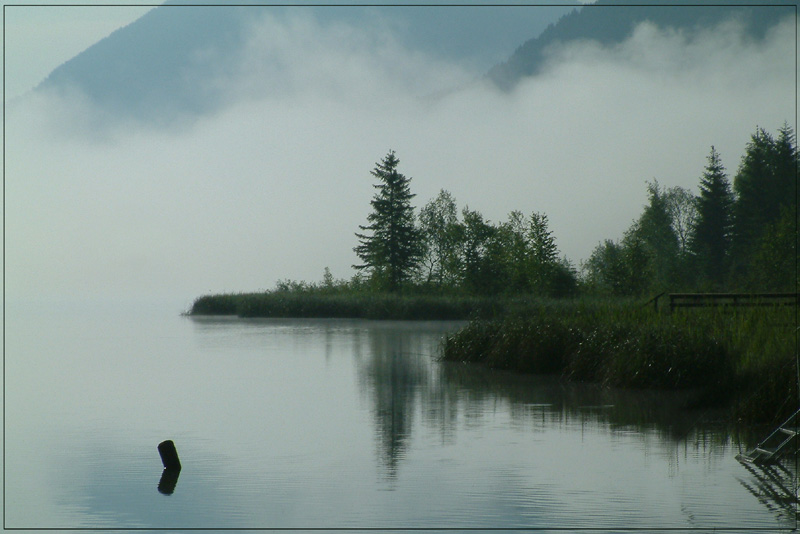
(610, 22)
(167, 62)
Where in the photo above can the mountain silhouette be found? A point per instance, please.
(610, 22)
(165, 63)
(170, 61)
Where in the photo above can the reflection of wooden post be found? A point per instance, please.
(169, 456)
(169, 479)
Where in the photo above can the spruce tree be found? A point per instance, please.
(711, 237)
(543, 253)
(765, 186)
(754, 205)
(393, 248)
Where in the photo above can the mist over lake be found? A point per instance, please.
(272, 182)
(223, 152)
(340, 424)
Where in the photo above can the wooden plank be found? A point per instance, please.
(697, 300)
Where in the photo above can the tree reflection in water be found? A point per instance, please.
(397, 369)
(401, 380)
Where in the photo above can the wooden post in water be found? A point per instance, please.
(169, 456)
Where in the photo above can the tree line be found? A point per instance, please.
(739, 236)
(730, 236)
(438, 251)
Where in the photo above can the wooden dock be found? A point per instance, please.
(727, 300)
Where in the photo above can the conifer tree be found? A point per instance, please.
(766, 188)
(544, 253)
(754, 203)
(711, 236)
(393, 248)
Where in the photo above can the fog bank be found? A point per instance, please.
(275, 185)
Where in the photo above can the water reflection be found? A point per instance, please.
(668, 413)
(301, 424)
(169, 479)
(401, 379)
(401, 384)
(776, 487)
(392, 375)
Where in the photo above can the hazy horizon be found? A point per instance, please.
(274, 185)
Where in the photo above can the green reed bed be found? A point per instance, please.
(743, 358)
(306, 304)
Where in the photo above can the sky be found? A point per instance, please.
(274, 185)
(41, 38)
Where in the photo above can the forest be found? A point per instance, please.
(734, 235)
(729, 236)
(531, 310)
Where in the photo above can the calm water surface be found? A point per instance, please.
(342, 424)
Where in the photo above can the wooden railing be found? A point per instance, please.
(705, 300)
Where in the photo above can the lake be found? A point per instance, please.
(342, 424)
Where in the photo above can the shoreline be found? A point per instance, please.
(743, 360)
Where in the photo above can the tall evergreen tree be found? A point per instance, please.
(543, 253)
(392, 250)
(753, 204)
(710, 239)
(765, 187)
(786, 160)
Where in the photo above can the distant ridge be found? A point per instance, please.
(610, 22)
(154, 66)
(175, 59)
(166, 62)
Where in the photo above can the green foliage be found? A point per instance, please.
(765, 186)
(392, 250)
(476, 236)
(721, 240)
(440, 233)
(711, 236)
(543, 253)
(292, 299)
(215, 305)
(656, 234)
(745, 359)
(647, 259)
(606, 271)
(774, 263)
(683, 212)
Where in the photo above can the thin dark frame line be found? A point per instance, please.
(413, 5)
(5, 462)
(358, 529)
(407, 529)
(796, 190)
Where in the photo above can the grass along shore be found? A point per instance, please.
(363, 305)
(742, 358)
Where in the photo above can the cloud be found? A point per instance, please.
(275, 184)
